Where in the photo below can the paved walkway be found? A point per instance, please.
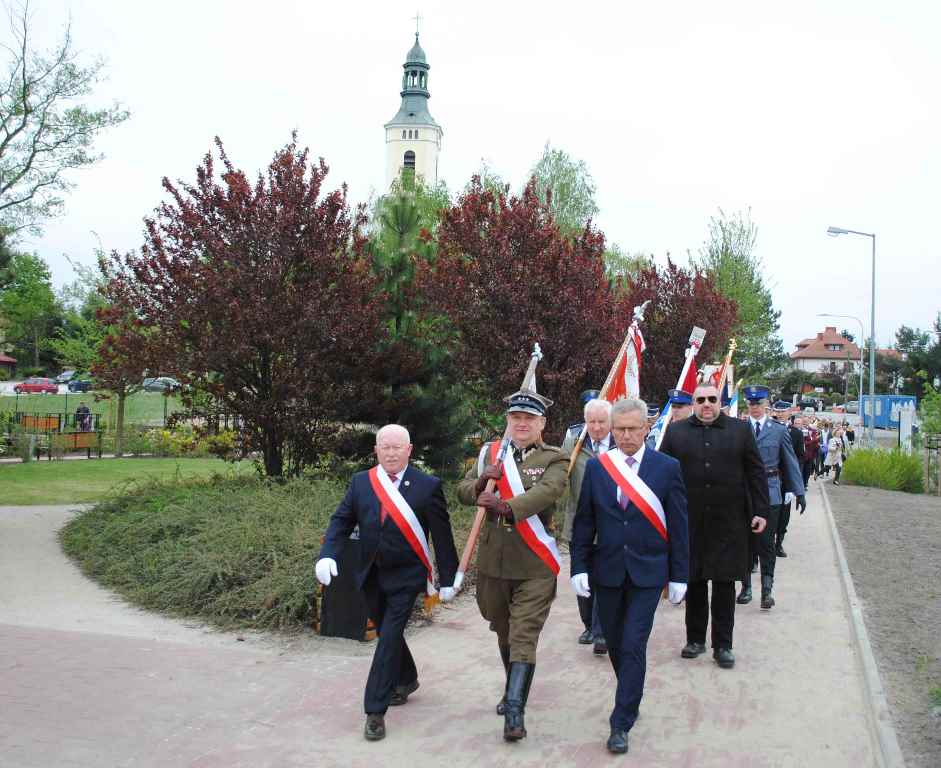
(86, 681)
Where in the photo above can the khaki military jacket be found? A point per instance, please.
(502, 552)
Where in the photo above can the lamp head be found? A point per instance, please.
(834, 231)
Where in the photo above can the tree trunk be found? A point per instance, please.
(272, 454)
(119, 434)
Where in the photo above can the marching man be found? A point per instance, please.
(395, 506)
(517, 561)
(634, 501)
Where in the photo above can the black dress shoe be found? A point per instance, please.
(692, 650)
(601, 647)
(779, 552)
(744, 597)
(767, 602)
(617, 742)
(586, 638)
(375, 728)
(724, 657)
(402, 692)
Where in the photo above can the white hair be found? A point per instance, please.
(391, 430)
(628, 404)
(598, 403)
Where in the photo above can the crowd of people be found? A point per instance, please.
(703, 505)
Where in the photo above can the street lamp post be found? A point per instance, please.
(862, 333)
(834, 232)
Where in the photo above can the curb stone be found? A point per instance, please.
(889, 752)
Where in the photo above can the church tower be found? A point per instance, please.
(413, 138)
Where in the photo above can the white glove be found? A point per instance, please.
(326, 569)
(458, 581)
(788, 497)
(446, 594)
(580, 585)
(677, 592)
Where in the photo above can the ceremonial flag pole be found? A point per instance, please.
(624, 377)
(688, 377)
(529, 383)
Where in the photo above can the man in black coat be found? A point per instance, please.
(728, 498)
(395, 507)
(779, 412)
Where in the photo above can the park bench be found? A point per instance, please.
(70, 442)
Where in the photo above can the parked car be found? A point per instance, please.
(161, 384)
(36, 385)
(809, 402)
(79, 385)
(852, 406)
(65, 377)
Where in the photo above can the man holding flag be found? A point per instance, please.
(395, 507)
(630, 535)
(517, 561)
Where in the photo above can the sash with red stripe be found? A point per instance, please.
(532, 531)
(636, 490)
(403, 516)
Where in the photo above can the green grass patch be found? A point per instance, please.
(235, 552)
(140, 408)
(88, 480)
(935, 695)
(890, 470)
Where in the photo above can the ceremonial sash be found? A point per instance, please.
(398, 509)
(532, 531)
(636, 490)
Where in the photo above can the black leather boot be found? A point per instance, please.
(505, 656)
(744, 596)
(517, 693)
(767, 602)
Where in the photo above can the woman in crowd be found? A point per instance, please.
(835, 451)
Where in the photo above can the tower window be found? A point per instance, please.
(410, 160)
(403, 134)
(416, 134)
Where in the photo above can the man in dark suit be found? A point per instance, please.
(728, 497)
(633, 499)
(395, 507)
(780, 413)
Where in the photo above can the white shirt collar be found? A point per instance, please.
(398, 477)
(761, 421)
(605, 442)
(638, 457)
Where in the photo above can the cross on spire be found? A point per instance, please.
(417, 17)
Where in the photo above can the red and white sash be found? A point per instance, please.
(398, 509)
(636, 490)
(532, 531)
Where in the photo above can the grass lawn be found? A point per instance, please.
(141, 407)
(89, 480)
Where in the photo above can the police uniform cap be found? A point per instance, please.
(527, 401)
(679, 397)
(781, 406)
(755, 392)
(652, 411)
(589, 395)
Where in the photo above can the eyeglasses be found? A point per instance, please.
(710, 398)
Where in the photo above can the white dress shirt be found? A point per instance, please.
(638, 458)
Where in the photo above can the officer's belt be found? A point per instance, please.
(773, 472)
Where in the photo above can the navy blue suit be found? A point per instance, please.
(630, 565)
(390, 573)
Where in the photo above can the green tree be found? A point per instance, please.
(29, 305)
(621, 267)
(567, 186)
(729, 258)
(77, 342)
(420, 386)
(45, 128)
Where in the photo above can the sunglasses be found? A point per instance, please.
(710, 398)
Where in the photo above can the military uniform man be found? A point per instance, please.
(598, 440)
(777, 453)
(779, 412)
(681, 404)
(517, 560)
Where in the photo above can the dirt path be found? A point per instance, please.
(893, 546)
(88, 682)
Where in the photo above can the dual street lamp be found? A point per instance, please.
(835, 232)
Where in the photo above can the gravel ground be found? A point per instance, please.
(893, 546)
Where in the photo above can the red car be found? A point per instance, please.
(36, 384)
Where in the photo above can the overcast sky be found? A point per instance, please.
(810, 113)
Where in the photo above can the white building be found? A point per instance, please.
(829, 350)
(413, 138)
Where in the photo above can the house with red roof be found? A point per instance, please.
(828, 350)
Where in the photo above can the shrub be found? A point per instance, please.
(890, 470)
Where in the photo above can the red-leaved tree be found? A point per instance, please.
(506, 277)
(680, 299)
(254, 293)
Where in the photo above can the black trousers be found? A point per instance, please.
(762, 545)
(784, 517)
(806, 469)
(723, 612)
(389, 606)
(585, 607)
